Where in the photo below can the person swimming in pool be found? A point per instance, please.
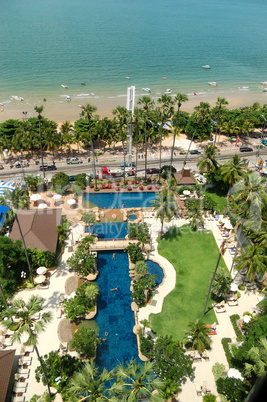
(114, 288)
(114, 255)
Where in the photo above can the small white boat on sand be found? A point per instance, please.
(264, 83)
(168, 91)
(213, 83)
(146, 89)
(206, 66)
(64, 86)
(17, 98)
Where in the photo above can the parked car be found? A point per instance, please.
(183, 152)
(152, 171)
(71, 178)
(264, 142)
(245, 149)
(195, 152)
(75, 159)
(47, 167)
(19, 164)
(1, 167)
(127, 164)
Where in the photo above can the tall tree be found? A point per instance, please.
(164, 205)
(220, 103)
(88, 111)
(29, 327)
(39, 111)
(233, 170)
(252, 261)
(207, 162)
(165, 113)
(147, 104)
(16, 199)
(197, 335)
(179, 99)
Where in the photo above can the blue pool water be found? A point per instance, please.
(114, 314)
(132, 217)
(118, 200)
(154, 268)
(109, 230)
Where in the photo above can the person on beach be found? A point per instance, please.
(114, 289)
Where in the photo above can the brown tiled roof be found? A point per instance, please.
(39, 228)
(6, 365)
(185, 177)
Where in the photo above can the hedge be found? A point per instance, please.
(239, 335)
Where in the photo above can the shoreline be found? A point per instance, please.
(60, 111)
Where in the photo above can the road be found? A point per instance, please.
(19, 173)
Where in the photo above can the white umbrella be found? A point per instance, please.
(35, 197)
(72, 294)
(24, 337)
(233, 287)
(39, 279)
(71, 201)
(41, 270)
(228, 226)
(57, 196)
(42, 206)
(234, 373)
(246, 318)
(186, 192)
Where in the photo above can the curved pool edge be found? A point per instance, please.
(162, 290)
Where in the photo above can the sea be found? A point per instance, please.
(99, 48)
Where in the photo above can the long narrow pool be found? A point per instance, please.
(119, 199)
(114, 315)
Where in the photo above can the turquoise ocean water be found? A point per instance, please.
(51, 42)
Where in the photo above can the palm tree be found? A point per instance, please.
(229, 127)
(165, 112)
(39, 110)
(16, 199)
(28, 326)
(220, 103)
(136, 381)
(207, 162)
(88, 111)
(258, 356)
(252, 260)
(179, 99)
(148, 104)
(137, 116)
(92, 291)
(164, 205)
(123, 114)
(197, 335)
(233, 170)
(89, 383)
(196, 217)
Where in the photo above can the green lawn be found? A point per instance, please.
(219, 199)
(194, 256)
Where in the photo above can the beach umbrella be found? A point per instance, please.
(234, 373)
(24, 337)
(39, 279)
(41, 270)
(246, 318)
(186, 192)
(72, 295)
(57, 196)
(42, 206)
(72, 201)
(233, 287)
(35, 197)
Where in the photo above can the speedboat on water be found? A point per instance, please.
(64, 86)
(168, 91)
(68, 98)
(206, 66)
(213, 83)
(264, 83)
(127, 78)
(17, 98)
(146, 89)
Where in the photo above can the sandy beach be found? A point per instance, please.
(61, 111)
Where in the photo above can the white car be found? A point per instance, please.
(75, 159)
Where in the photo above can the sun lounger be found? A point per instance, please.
(198, 389)
(25, 359)
(20, 384)
(232, 303)
(19, 389)
(206, 386)
(17, 398)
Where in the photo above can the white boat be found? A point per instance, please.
(17, 98)
(168, 91)
(264, 90)
(206, 66)
(127, 78)
(68, 98)
(264, 83)
(146, 89)
(64, 86)
(213, 83)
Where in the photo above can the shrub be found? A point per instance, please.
(143, 286)
(82, 302)
(138, 231)
(218, 369)
(135, 252)
(60, 182)
(147, 346)
(85, 342)
(225, 343)
(234, 390)
(209, 398)
(141, 268)
(165, 171)
(239, 335)
(241, 287)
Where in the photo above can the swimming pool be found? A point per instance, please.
(118, 200)
(155, 268)
(114, 314)
(109, 230)
(132, 217)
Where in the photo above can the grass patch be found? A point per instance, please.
(220, 199)
(194, 256)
